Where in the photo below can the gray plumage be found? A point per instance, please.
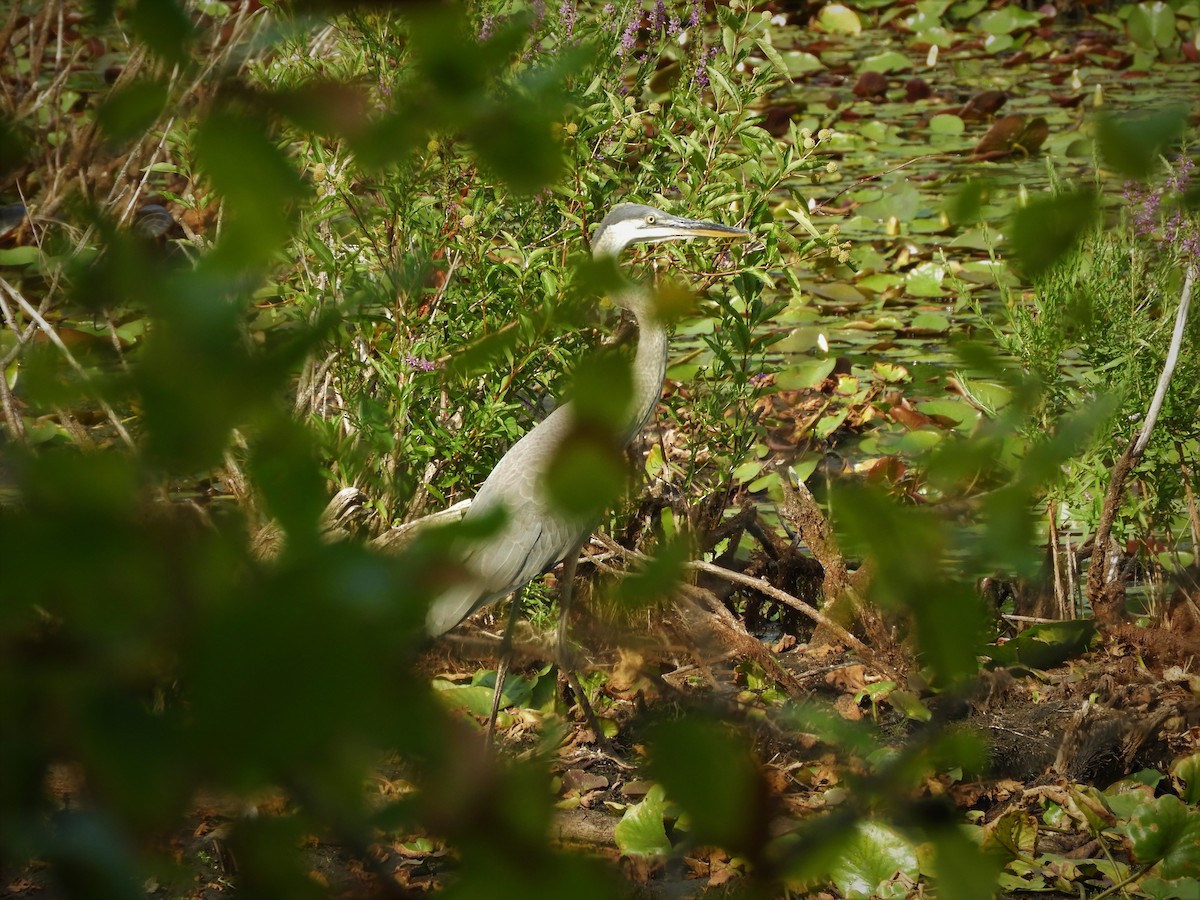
(537, 534)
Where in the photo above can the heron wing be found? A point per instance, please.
(536, 533)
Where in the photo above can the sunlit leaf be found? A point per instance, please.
(805, 374)
(838, 19)
(886, 62)
(641, 831)
(1187, 771)
(945, 123)
(1152, 25)
(874, 856)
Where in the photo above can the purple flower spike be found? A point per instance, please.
(421, 365)
(567, 14)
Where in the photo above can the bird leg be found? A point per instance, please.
(502, 668)
(570, 564)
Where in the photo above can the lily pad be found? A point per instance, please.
(641, 831)
(1007, 19)
(889, 61)
(873, 857)
(930, 321)
(926, 280)
(945, 123)
(800, 63)
(838, 19)
(805, 374)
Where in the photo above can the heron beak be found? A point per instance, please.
(693, 228)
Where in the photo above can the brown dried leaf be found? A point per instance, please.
(871, 85)
(982, 106)
(1000, 139)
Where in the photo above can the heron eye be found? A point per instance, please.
(649, 220)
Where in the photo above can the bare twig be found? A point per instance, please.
(52, 335)
(1107, 595)
(1164, 380)
(765, 587)
(12, 416)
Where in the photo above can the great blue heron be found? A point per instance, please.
(537, 533)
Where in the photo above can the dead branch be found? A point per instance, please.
(1107, 594)
(721, 622)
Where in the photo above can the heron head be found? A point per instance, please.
(633, 223)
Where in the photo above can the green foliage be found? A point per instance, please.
(1133, 145)
(640, 831)
(1049, 228)
(377, 244)
(1095, 335)
(709, 771)
(381, 277)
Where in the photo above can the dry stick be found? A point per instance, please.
(765, 587)
(1100, 595)
(16, 426)
(1060, 597)
(50, 333)
(1164, 380)
(1193, 511)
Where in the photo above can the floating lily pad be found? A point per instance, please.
(889, 61)
(839, 292)
(800, 63)
(926, 280)
(945, 123)
(930, 321)
(1007, 19)
(806, 374)
(838, 19)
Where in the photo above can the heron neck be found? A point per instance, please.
(649, 367)
(650, 359)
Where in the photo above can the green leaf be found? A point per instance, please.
(709, 771)
(1050, 227)
(1187, 771)
(1007, 19)
(641, 831)
(838, 19)
(807, 374)
(164, 27)
(258, 183)
(925, 280)
(1046, 644)
(946, 123)
(1131, 143)
(829, 424)
(890, 61)
(476, 699)
(1166, 830)
(1152, 26)
(929, 321)
(908, 703)
(874, 856)
(130, 110)
(1177, 889)
(19, 256)
(799, 62)
(769, 51)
